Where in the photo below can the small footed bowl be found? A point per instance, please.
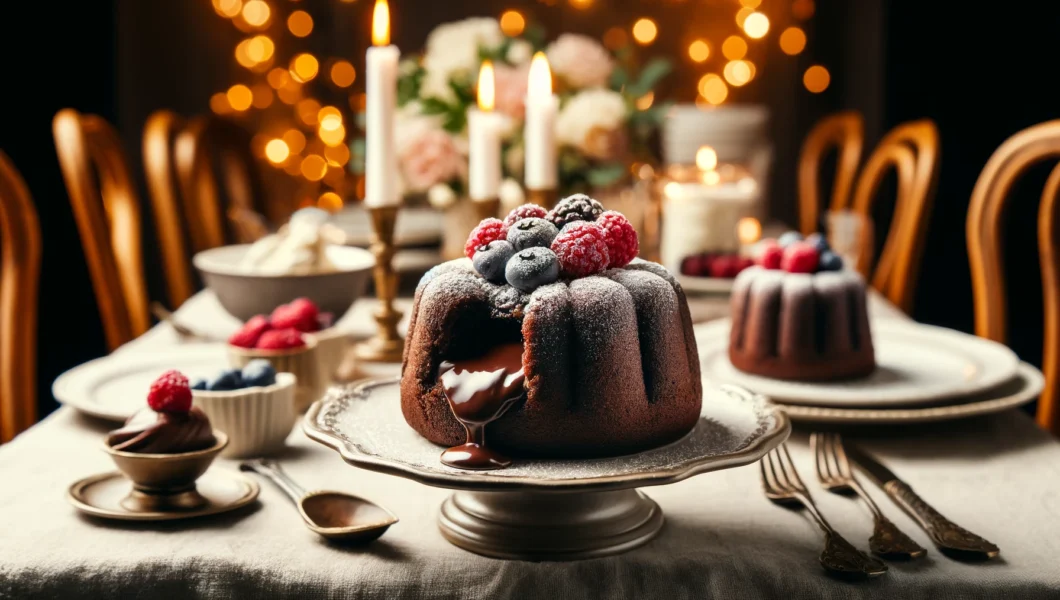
(257, 419)
(244, 293)
(165, 482)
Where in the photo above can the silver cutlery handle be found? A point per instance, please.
(946, 534)
(840, 555)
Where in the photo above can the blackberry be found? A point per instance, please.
(577, 207)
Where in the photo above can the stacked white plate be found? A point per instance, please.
(923, 374)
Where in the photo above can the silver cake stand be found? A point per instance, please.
(545, 509)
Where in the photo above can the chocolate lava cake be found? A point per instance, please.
(609, 356)
(801, 317)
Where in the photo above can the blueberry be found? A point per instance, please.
(489, 261)
(818, 242)
(532, 233)
(829, 261)
(258, 372)
(789, 238)
(530, 268)
(229, 379)
(200, 384)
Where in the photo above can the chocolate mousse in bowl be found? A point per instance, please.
(164, 448)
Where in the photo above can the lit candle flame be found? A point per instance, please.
(706, 158)
(485, 86)
(540, 85)
(381, 24)
(748, 230)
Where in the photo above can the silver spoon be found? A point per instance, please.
(333, 515)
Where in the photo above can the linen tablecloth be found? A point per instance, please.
(998, 476)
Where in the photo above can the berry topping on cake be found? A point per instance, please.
(622, 243)
(170, 393)
(489, 260)
(769, 254)
(484, 233)
(531, 268)
(582, 249)
(577, 207)
(818, 241)
(829, 261)
(532, 232)
(281, 339)
(526, 211)
(250, 333)
(258, 372)
(300, 314)
(789, 238)
(799, 257)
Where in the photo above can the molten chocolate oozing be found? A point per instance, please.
(150, 432)
(480, 390)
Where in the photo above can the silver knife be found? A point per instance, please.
(948, 536)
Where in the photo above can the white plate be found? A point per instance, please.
(915, 365)
(1021, 389)
(707, 285)
(115, 386)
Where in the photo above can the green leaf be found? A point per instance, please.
(606, 175)
(463, 91)
(619, 78)
(650, 76)
(434, 106)
(455, 121)
(357, 152)
(535, 34)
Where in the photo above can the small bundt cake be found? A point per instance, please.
(799, 321)
(609, 356)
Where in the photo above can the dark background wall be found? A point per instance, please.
(980, 74)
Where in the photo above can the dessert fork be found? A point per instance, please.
(834, 473)
(784, 487)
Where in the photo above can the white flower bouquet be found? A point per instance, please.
(607, 117)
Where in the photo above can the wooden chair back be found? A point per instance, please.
(984, 230)
(20, 250)
(160, 134)
(219, 181)
(912, 150)
(107, 212)
(845, 132)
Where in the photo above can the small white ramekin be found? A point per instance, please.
(256, 419)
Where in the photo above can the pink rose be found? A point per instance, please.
(580, 60)
(511, 89)
(429, 158)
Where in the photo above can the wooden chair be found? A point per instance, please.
(217, 200)
(107, 212)
(912, 150)
(985, 214)
(160, 133)
(844, 131)
(20, 250)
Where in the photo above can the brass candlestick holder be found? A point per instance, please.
(545, 198)
(386, 345)
(485, 209)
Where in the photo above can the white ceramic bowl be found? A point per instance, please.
(257, 419)
(244, 294)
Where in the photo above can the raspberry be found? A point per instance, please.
(170, 393)
(622, 243)
(582, 249)
(799, 257)
(770, 254)
(300, 314)
(578, 207)
(281, 339)
(248, 335)
(525, 211)
(487, 231)
(723, 267)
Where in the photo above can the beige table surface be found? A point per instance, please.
(998, 476)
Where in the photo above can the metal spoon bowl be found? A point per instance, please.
(337, 516)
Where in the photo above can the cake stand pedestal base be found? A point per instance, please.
(549, 525)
